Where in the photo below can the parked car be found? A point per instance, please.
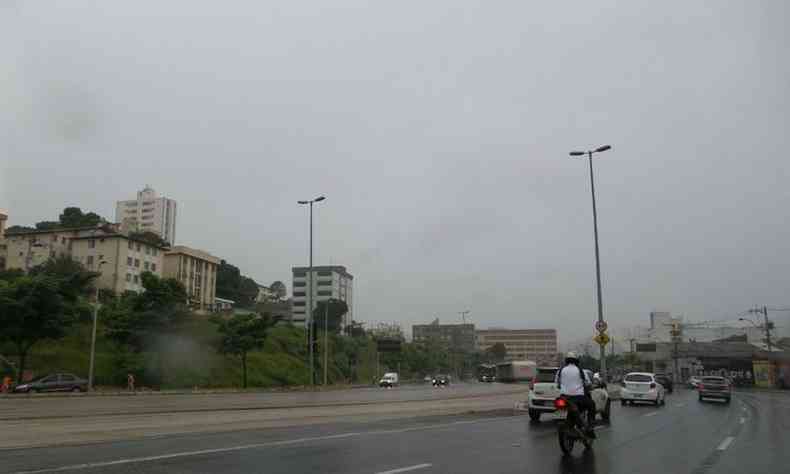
(441, 381)
(715, 387)
(641, 387)
(544, 391)
(54, 383)
(666, 381)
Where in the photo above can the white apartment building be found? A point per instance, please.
(149, 212)
(331, 281)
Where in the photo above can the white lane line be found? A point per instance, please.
(679, 405)
(652, 413)
(406, 469)
(271, 444)
(743, 420)
(726, 443)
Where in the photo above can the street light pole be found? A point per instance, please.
(601, 322)
(93, 333)
(310, 332)
(326, 338)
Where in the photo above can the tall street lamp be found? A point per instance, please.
(93, 333)
(310, 334)
(601, 325)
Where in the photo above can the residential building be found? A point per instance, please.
(197, 271)
(119, 259)
(149, 212)
(538, 345)
(330, 281)
(459, 337)
(221, 304)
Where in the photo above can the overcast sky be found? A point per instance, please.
(439, 132)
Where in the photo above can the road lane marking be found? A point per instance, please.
(726, 443)
(271, 444)
(652, 413)
(679, 405)
(407, 469)
(743, 420)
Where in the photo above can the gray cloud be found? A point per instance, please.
(439, 132)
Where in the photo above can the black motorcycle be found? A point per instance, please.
(571, 426)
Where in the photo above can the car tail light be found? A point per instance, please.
(560, 404)
(652, 385)
(700, 387)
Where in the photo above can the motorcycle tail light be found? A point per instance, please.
(700, 387)
(560, 404)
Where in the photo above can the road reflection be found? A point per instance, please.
(583, 463)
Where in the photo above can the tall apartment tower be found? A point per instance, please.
(148, 212)
(330, 281)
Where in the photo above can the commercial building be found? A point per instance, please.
(149, 212)
(330, 281)
(539, 345)
(458, 337)
(117, 258)
(197, 271)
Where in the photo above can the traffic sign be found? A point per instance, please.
(601, 326)
(602, 339)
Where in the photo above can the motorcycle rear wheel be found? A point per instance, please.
(566, 442)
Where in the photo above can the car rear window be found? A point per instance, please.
(713, 379)
(546, 375)
(638, 378)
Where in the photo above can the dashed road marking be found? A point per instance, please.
(743, 420)
(679, 405)
(726, 443)
(407, 469)
(652, 413)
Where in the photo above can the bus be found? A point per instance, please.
(486, 372)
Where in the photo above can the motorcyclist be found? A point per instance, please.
(575, 385)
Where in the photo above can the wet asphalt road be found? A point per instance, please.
(750, 435)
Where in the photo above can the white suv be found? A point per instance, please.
(544, 391)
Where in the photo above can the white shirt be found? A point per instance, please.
(571, 381)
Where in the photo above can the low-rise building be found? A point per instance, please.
(222, 304)
(197, 271)
(119, 259)
(3, 247)
(458, 337)
(538, 345)
(330, 281)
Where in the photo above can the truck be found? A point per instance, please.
(516, 371)
(389, 380)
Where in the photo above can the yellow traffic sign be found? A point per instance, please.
(602, 339)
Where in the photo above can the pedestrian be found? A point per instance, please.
(130, 382)
(6, 384)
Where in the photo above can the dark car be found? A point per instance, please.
(666, 382)
(487, 378)
(714, 387)
(441, 381)
(54, 383)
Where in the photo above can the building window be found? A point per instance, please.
(128, 277)
(324, 293)
(153, 267)
(129, 261)
(299, 284)
(298, 303)
(298, 294)
(325, 273)
(131, 245)
(137, 262)
(324, 282)
(136, 279)
(92, 244)
(138, 247)
(89, 260)
(147, 266)
(300, 274)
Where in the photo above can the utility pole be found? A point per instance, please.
(326, 338)
(310, 329)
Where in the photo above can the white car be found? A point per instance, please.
(641, 387)
(544, 391)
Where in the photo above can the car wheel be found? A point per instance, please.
(534, 415)
(700, 398)
(76, 389)
(727, 401)
(623, 402)
(607, 411)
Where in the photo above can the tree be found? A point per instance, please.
(279, 290)
(497, 352)
(241, 334)
(18, 228)
(74, 217)
(33, 309)
(232, 285)
(150, 237)
(47, 225)
(333, 310)
(76, 280)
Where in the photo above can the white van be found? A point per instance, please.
(389, 380)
